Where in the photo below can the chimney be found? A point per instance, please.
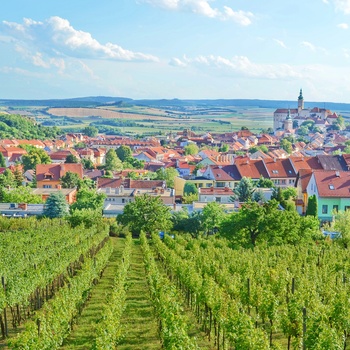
(59, 187)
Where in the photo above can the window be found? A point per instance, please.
(218, 199)
(347, 207)
(200, 185)
(331, 187)
(335, 208)
(274, 171)
(283, 182)
(47, 186)
(220, 184)
(324, 209)
(208, 185)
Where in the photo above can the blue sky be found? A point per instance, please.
(189, 49)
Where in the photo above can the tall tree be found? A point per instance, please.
(113, 163)
(21, 194)
(88, 198)
(146, 213)
(70, 180)
(190, 188)
(191, 149)
(71, 158)
(123, 152)
(90, 131)
(33, 157)
(56, 206)
(167, 174)
(2, 161)
(244, 190)
(212, 216)
(312, 206)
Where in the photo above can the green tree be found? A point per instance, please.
(188, 223)
(244, 190)
(224, 148)
(167, 174)
(264, 183)
(191, 149)
(189, 198)
(21, 194)
(2, 161)
(7, 179)
(286, 145)
(341, 224)
(56, 206)
(212, 216)
(86, 216)
(146, 213)
(123, 152)
(71, 158)
(113, 163)
(87, 163)
(18, 176)
(90, 131)
(190, 188)
(34, 157)
(88, 198)
(70, 180)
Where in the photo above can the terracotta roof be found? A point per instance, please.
(58, 170)
(330, 162)
(220, 174)
(305, 163)
(278, 168)
(332, 183)
(252, 168)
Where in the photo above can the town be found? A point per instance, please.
(308, 149)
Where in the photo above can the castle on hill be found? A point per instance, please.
(288, 119)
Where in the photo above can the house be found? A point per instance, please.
(49, 175)
(219, 176)
(280, 171)
(332, 190)
(61, 155)
(219, 195)
(69, 193)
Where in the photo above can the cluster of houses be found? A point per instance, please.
(315, 166)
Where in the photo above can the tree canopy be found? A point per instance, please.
(123, 152)
(146, 213)
(244, 190)
(113, 163)
(34, 157)
(70, 180)
(56, 206)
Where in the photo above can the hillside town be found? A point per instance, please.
(308, 149)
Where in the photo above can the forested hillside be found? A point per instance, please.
(16, 126)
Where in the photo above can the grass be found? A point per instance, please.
(140, 326)
(82, 336)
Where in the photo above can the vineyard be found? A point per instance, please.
(80, 289)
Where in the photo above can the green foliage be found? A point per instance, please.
(224, 148)
(70, 180)
(267, 224)
(16, 126)
(113, 163)
(21, 194)
(312, 206)
(188, 223)
(264, 183)
(123, 152)
(71, 158)
(87, 163)
(286, 145)
(34, 157)
(90, 131)
(7, 179)
(167, 174)
(212, 216)
(56, 206)
(2, 161)
(341, 224)
(191, 149)
(189, 198)
(146, 213)
(88, 199)
(244, 190)
(86, 216)
(190, 188)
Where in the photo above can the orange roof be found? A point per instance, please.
(331, 183)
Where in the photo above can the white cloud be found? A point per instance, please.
(56, 37)
(241, 65)
(280, 43)
(308, 45)
(177, 62)
(202, 7)
(343, 26)
(341, 5)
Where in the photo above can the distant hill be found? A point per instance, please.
(95, 101)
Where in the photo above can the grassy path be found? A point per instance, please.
(140, 326)
(83, 335)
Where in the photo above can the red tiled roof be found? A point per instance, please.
(278, 168)
(58, 170)
(332, 183)
(252, 168)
